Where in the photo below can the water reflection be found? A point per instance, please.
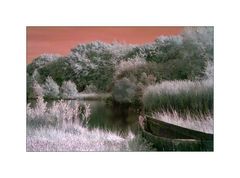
(114, 118)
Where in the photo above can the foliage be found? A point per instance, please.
(68, 89)
(38, 112)
(29, 86)
(60, 70)
(41, 61)
(91, 89)
(202, 38)
(163, 49)
(37, 90)
(209, 71)
(124, 91)
(60, 113)
(99, 64)
(51, 88)
(62, 127)
(129, 65)
(181, 96)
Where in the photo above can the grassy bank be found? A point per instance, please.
(76, 138)
(181, 96)
(63, 126)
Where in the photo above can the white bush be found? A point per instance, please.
(51, 88)
(69, 89)
(37, 89)
(130, 64)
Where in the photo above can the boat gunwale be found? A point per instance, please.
(179, 128)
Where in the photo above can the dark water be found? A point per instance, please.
(114, 118)
(120, 119)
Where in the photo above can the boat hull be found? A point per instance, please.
(168, 137)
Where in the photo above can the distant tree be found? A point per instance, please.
(36, 76)
(37, 89)
(45, 59)
(29, 86)
(51, 88)
(199, 39)
(91, 89)
(68, 89)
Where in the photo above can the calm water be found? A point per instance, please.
(120, 119)
(115, 118)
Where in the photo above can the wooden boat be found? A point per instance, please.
(169, 137)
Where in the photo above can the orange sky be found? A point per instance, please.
(59, 40)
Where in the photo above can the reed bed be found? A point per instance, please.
(180, 96)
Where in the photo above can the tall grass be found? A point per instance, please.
(181, 96)
(63, 127)
(77, 138)
(60, 114)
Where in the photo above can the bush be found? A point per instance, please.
(181, 96)
(164, 48)
(37, 90)
(69, 89)
(91, 89)
(51, 88)
(60, 70)
(124, 91)
(129, 65)
(201, 38)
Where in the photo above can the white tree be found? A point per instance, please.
(45, 59)
(37, 89)
(69, 89)
(51, 88)
(203, 37)
(36, 75)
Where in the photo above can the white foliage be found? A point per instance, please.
(201, 35)
(61, 112)
(130, 64)
(209, 71)
(69, 89)
(38, 112)
(51, 88)
(45, 59)
(37, 89)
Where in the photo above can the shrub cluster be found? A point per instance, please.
(51, 90)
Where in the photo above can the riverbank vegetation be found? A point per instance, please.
(180, 96)
(64, 127)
